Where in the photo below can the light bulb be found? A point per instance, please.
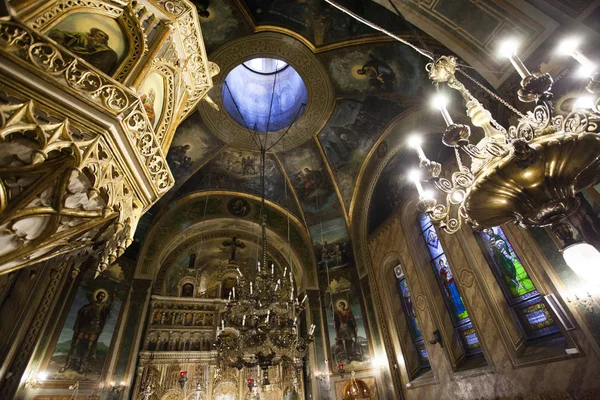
(42, 375)
(458, 196)
(586, 69)
(508, 48)
(415, 141)
(414, 175)
(584, 260)
(567, 46)
(440, 101)
(427, 195)
(584, 102)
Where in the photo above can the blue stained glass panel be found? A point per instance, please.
(450, 290)
(424, 221)
(434, 247)
(415, 328)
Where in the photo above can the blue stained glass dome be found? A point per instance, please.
(249, 86)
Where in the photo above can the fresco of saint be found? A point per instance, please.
(346, 332)
(88, 328)
(92, 46)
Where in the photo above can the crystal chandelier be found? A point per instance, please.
(260, 326)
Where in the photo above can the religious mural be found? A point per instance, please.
(319, 22)
(239, 170)
(384, 70)
(332, 243)
(223, 21)
(346, 325)
(192, 146)
(97, 39)
(85, 340)
(312, 182)
(238, 207)
(152, 95)
(377, 82)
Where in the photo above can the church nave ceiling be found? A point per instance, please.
(359, 84)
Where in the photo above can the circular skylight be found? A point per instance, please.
(264, 94)
(265, 65)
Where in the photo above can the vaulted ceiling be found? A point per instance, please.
(354, 124)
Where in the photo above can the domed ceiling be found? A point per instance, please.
(357, 82)
(359, 85)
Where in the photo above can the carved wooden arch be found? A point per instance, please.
(125, 16)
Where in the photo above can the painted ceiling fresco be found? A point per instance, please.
(318, 22)
(375, 80)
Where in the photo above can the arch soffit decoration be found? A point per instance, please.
(151, 258)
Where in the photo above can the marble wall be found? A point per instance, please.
(512, 366)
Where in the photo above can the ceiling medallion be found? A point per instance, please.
(320, 92)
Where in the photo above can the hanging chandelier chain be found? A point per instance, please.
(497, 97)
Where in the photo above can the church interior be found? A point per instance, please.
(299, 199)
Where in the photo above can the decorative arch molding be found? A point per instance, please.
(126, 17)
(370, 173)
(156, 249)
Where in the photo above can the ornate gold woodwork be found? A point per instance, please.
(80, 161)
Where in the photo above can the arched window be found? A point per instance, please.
(411, 318)
(524, 299)
(445, 277)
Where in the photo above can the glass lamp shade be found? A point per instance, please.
(584, 260)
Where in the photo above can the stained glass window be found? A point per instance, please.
(413, 323)
(445, 277)
(520, 292)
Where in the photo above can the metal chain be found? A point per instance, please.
(494, 95)
(458, 160)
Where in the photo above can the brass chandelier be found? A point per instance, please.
(260, 324)
(528, 174)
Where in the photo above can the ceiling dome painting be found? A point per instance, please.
(352, 92)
